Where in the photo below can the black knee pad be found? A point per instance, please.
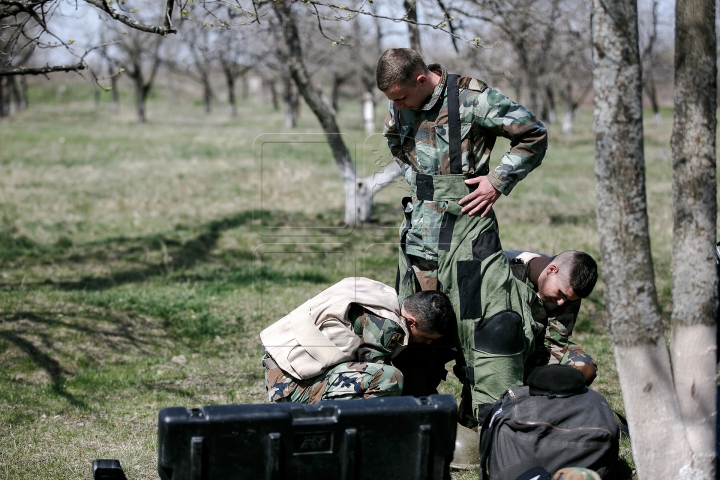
(501, 334)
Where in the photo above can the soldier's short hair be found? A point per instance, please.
(580, 269)
(432, 310)
(399, 67)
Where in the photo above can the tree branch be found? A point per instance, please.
(164, 30)
(44, 70)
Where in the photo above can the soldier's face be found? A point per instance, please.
(554, 288)
(410, 97)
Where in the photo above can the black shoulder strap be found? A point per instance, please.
(454, 123)
(623, 423)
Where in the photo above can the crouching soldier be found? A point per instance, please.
(338, 345)
(560, 283)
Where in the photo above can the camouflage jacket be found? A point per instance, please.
(420, 144)
(380, 336)
(559, 321)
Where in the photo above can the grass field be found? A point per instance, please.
(138, 263)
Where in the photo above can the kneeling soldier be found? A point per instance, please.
(560, 282)
(338, 345)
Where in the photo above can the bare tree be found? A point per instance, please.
(34, 21)
(359, 192)
(199, 54)
(656, 66)
(669, 439)
(139, 54)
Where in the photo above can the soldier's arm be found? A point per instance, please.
(527, 134)
(561, 324)
(380, 336)
(391, 134)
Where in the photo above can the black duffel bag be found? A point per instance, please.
(554, 422)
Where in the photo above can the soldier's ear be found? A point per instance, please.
(552, 269)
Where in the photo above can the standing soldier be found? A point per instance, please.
(441, 129)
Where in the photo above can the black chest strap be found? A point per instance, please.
(453, 103)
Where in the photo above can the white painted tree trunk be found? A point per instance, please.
(693, 351)
(567, 122)
(368, 113)
(660, 446)
(694, 230)
(656, 432)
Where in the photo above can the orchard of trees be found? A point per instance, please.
(551, 55)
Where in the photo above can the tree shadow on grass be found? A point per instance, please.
(178, 256)
(35, 334)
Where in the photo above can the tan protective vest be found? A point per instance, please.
(317, 334)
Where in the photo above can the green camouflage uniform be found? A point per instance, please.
(370, 376)
(556, 346)
(459, 254)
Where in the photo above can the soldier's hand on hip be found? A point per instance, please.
(482, 199)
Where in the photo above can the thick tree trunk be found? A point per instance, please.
(413, 30)
(356, 211)
(694, 231)
(658, 439)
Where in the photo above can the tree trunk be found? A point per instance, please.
(658, 441)
(4, 97)
(289, 103)
(358, 192)
(694, 230)
(410, 7)
(651, 92)
(115, 94)
(274, 95)
(230, 82)
(23, 93)
(568, 121)
(337, 82)
(550, 96)
(368, 113)
(207, 93)
(140, 98)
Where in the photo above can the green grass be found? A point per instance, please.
(138, 263)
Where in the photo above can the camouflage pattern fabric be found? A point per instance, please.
(420, 144)
(560, 323)
(366, 378)
(494, 311)
(575, 473)
(345, 381)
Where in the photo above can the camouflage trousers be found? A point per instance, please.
(572, 354)
(344, 381)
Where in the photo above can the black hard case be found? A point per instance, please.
(380, 438)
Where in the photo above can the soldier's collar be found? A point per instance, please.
(437, 93)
